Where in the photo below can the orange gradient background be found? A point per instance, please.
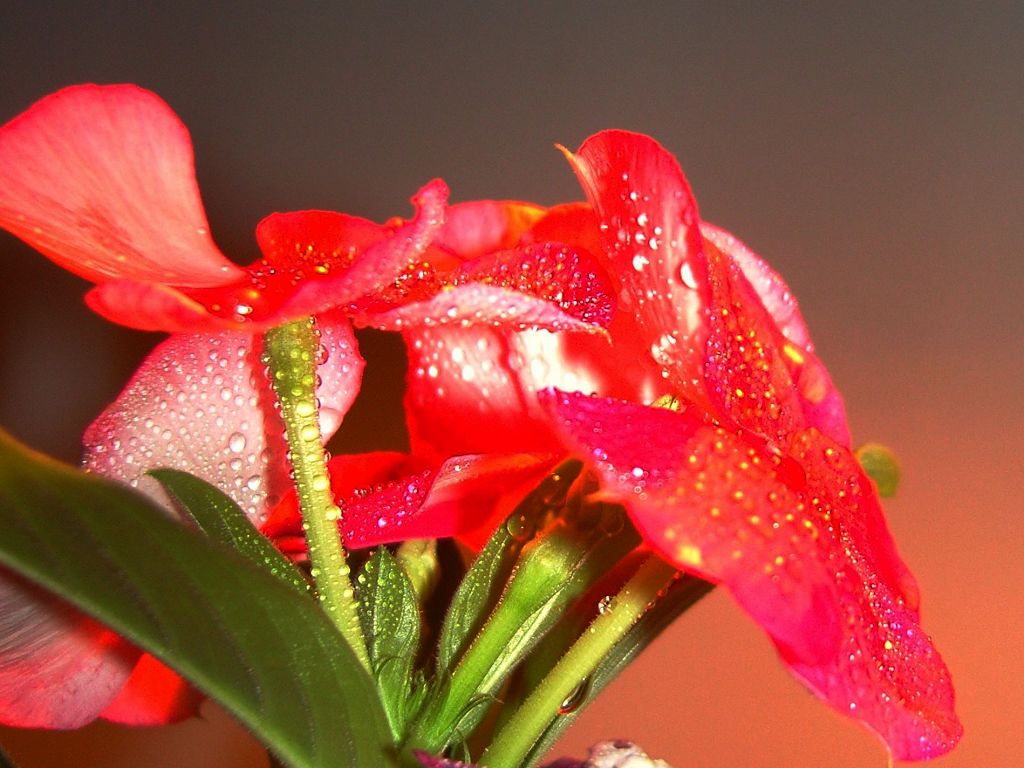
(874, 156)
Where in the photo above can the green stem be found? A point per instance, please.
(515, 740)
(290, 352)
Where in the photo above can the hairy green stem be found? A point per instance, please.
(570, 675)
(290, 353)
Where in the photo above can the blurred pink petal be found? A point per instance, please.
(58, 668)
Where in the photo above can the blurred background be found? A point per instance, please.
(873, 154)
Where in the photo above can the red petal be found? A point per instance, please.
(152, 307)
(799, 541)
(100, 179)
(201, 403)
(468, 373)
(313, 261)
(770, 287)
(650, 227)
(153, 695)
(58, 668)
(388, 497)
(467, 495)
(348, 473)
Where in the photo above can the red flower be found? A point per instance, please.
(100, 180)
(751, 482)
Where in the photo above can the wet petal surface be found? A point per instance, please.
(202, 404)
(650, 229)
(798, 538)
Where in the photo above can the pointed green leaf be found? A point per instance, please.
(220, 518)
(232, 629)
(390, 616)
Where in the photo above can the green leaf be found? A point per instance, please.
(880, 464)
(220, 518)
(235, 631)
(390, 615)
(476, 595)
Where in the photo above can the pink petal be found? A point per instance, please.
(548, 285)
(100, 179)
(153, 695)
(770, 287)
(201, 403)
(651, 233)
(485, 226)
(58, 668)
(820, 403)
(800, 542)
(744, 370)
(887, 672)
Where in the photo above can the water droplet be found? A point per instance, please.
(236, 442)
(687, 276)
(604, 605)
(576, 698)
(519, 527)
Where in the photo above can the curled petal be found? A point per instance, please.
(465, 497)
(202, 404)
(770, 287)
(58, 668)
(651, 233)
(100, 179)
(378, 265)
(348, 474)
(151, 307)
(745, 372)
(798, 539)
